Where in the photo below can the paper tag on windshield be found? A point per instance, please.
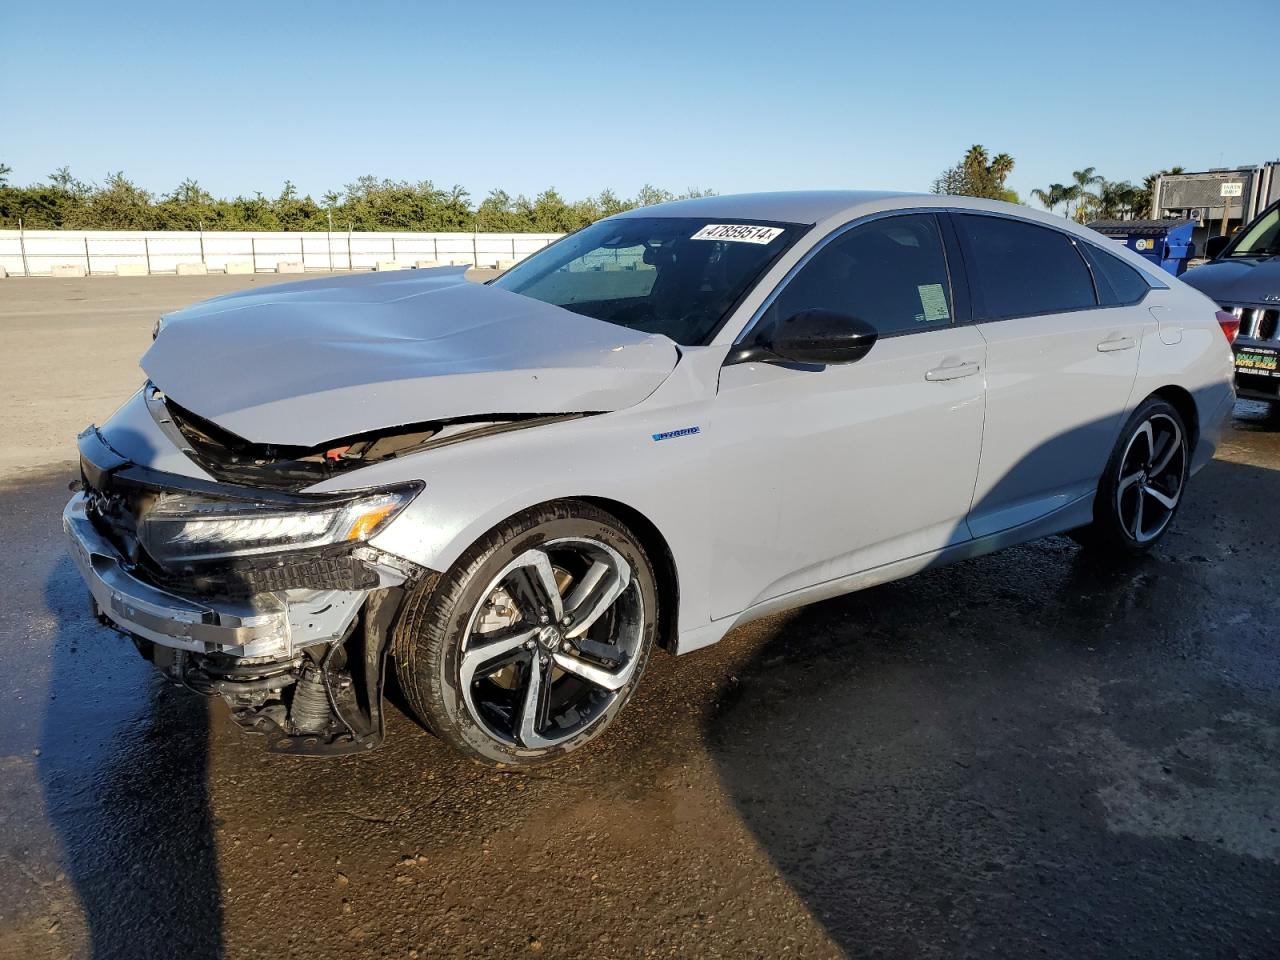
(934, 301)
(737, 233)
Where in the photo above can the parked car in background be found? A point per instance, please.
(1244, 279)
(676, 420)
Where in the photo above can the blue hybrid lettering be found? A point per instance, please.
(682, 432)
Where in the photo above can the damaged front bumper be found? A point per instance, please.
(276, 625)
(302, 664)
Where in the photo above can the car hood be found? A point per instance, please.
(304, 363)
(1237, 279)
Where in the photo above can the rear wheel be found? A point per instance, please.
(535, 640)
(1142, 485)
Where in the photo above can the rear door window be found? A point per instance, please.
(1020, 269)
(1119, 284)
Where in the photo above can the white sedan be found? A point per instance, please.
(673, 421)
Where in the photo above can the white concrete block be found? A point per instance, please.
(388, 265)
(131, 269)
(66, 270)
(3, 273)
(507, 264)
(239, 266)
(290, 266)
(460, 263)
(427, 264)
(192, 269)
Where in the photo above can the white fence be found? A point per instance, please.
(105, 252)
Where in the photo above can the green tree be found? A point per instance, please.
(977, 175)
(1146, 193)
(367, 203)
(1118, 199)
(121, 205)
(1051, 197)
(1086, 201)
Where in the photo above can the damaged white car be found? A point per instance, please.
(673, 421)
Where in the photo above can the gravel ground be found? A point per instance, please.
(1029, 754)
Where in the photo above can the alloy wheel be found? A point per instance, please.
(1152, 472)
(554, 641)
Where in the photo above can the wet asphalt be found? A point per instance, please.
(1033, 754)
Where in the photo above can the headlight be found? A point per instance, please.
(193, 527)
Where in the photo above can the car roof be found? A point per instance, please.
(830, 208)
(798, 206)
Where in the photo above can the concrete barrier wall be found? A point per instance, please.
(101, 252)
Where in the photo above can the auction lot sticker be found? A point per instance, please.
(737, 233)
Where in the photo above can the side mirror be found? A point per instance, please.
(1214, 246)
(810, 336)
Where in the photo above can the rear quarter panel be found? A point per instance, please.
(1200, 362)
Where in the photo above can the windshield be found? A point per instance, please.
(677, 276)
(1261, 239)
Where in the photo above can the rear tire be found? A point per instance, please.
(1143, 483)
(535, 639)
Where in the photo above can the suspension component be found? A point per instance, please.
(310, 711)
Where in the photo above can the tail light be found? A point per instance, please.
(1230, 325)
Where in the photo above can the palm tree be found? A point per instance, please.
(985, 177)
(1070, 194)
(975, 160)
(1001, 167)
(1145, 193)
(1118, 199)
(1086, 201)
(1051, 197)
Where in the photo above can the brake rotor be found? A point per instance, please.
(501, 611)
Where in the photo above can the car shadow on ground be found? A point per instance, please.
(124, 780)
(1020, 754)
(1033, 753)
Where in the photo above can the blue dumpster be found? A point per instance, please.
(1166, 243)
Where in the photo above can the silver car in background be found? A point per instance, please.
(669, 423)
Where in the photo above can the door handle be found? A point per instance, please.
(1112, 344)
(952, 371)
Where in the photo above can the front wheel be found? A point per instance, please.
(1142, 485)
(534, 641)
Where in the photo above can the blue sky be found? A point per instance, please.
(583, 96)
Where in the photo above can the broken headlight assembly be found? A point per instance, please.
(183, 527)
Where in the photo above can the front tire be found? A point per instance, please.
(1142, 486)
(536, 638)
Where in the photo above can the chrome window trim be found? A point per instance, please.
(1154, 283)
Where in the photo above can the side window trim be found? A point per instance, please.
(1098, 300)
(751, 327)
(975, 283)
(1100, 279)
(957, 270)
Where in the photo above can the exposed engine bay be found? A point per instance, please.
(294, 640)
(288, 617)
(283, 467)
